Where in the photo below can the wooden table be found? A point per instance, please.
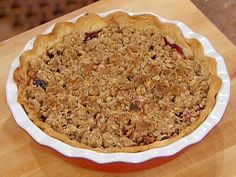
(213, 157)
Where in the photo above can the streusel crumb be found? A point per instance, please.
(118, 87)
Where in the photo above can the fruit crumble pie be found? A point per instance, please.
(117, 84)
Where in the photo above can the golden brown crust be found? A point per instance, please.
(92, 22)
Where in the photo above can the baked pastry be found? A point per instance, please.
(117, 84)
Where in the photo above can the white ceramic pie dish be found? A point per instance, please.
(211, 121)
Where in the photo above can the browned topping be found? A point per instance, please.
(126, 87)
(32, 74)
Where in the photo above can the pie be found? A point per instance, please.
(118, 83)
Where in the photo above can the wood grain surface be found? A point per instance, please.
(215, 156)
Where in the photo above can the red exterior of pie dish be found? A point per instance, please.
(124, 162)
(118, 167)
(121, 167)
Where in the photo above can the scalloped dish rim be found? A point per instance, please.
(197, 135)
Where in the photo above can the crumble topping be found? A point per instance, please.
(117, 87)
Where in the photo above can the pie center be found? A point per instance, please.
(117, 87)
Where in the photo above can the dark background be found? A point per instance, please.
(17, 16)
